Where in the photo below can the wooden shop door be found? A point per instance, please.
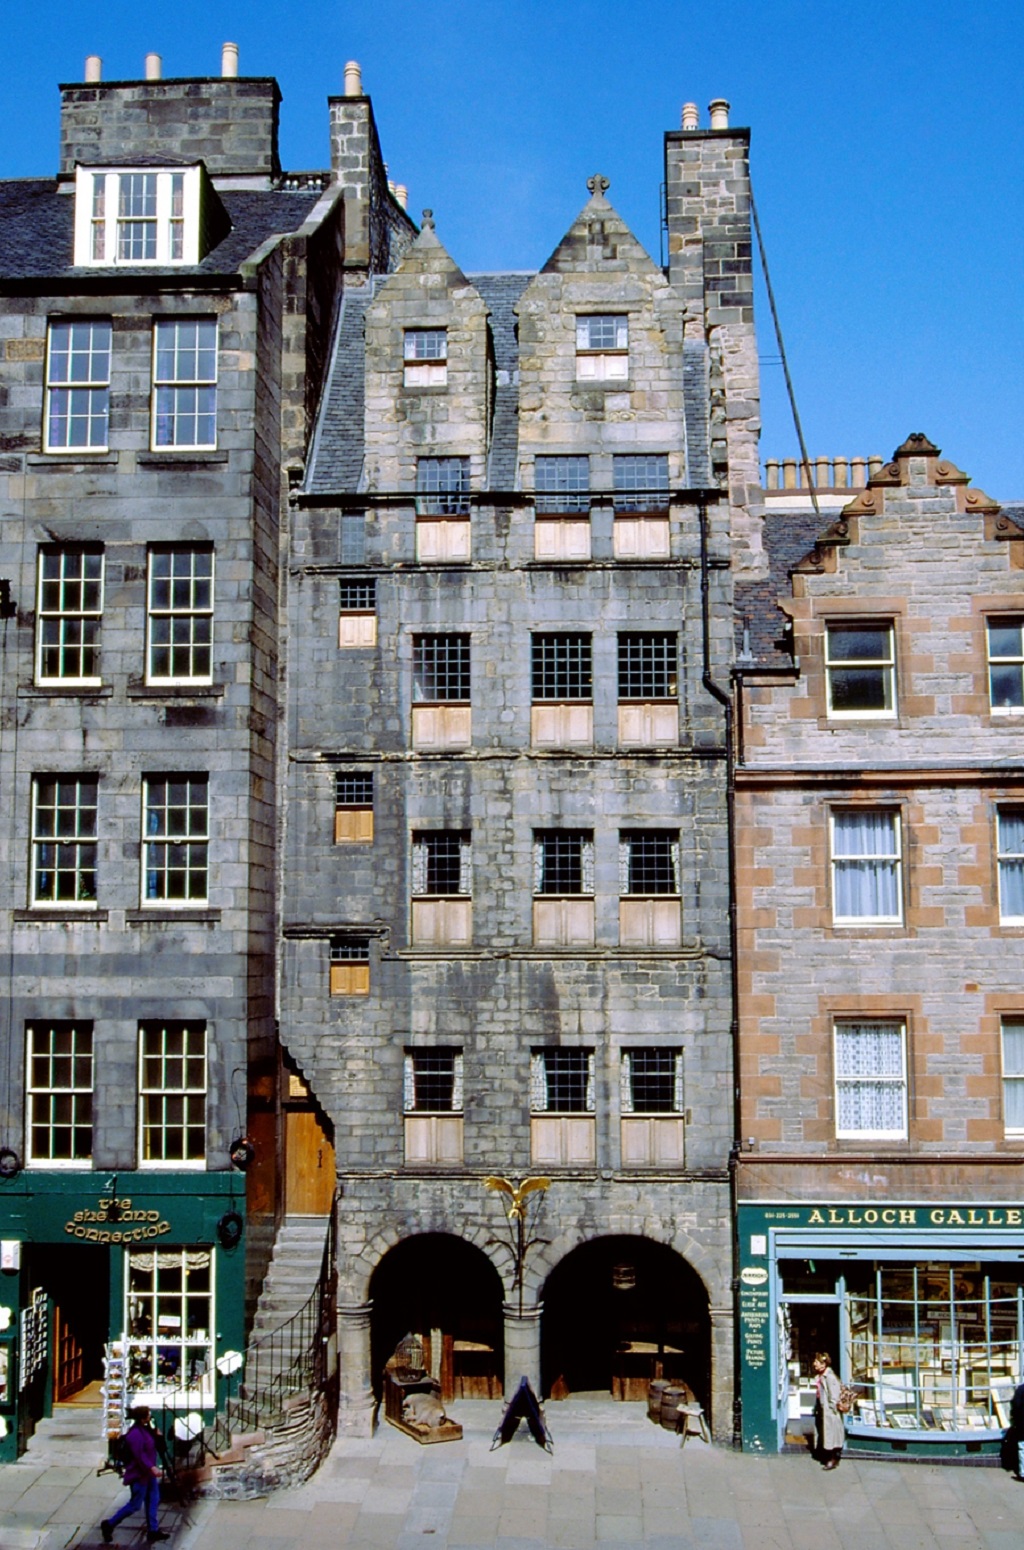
(309, 1164)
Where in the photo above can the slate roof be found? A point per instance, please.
(336, 458)
(336, 462)
(36, 231)
(788, 538)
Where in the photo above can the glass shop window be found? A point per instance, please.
(169, 1320)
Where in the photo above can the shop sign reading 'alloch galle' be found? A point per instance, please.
(916, 1216)
(116, 1221)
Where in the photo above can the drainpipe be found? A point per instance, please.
(725, 700)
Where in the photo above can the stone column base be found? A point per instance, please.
(522, 1346)
(355, 1388)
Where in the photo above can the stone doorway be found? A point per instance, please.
(620, 1311)
(446, 1291)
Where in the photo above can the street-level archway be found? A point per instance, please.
(619, 1311)
(436, 1285)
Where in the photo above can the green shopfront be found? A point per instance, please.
(921, 1307)
(118, 1289)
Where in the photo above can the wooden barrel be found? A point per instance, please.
(671, 1399)
(655, 1390)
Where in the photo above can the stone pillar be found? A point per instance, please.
(722, 1336)
(355, 1390)
(522, 1346)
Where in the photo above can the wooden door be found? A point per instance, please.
(309, 1165)
(68, 1357)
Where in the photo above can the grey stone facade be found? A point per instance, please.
(513, 392)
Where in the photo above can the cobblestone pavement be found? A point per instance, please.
(613, 1481)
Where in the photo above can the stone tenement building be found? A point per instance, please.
(880, 890)
(167, 305)
(505, 864)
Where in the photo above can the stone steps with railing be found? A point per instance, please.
(277, 1428)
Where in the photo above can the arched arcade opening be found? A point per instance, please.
(447, 1292)
(620, 1311)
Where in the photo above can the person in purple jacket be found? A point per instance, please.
(142, 1476)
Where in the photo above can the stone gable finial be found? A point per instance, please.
(598, 184)
(428, 220)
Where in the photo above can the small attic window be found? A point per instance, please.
(426, 357)
(602, 347)
(137, 216)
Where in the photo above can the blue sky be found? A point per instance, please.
(886, 150)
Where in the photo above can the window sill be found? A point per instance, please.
(44, 913)
(172, 457)
(58, 691)
(77, 459)
(162, 916)
(175, 691)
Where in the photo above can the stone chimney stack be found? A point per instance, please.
(707, 184)
(371, 227)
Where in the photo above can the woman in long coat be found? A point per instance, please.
(829, 1427)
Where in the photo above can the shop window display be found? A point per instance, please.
(169, 1319)
(929, 1347)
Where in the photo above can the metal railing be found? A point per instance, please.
(292, 1359)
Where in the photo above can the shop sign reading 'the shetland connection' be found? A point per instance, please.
(117, 1221)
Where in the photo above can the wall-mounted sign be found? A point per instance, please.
(117, 1221)
(10, 1254)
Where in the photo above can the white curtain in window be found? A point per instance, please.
(1011, 865)
(626, 1083)
(587, 864)
(591, 1084)
(408, 1085)
(678, 1084)
(457, 1086)
(465, 865)
(538, 1083)
(1013, 1075)
(870, 1079)
(419, 868)
(866, 865)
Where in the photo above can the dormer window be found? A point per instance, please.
(426, 357)
(602, 347)
(145, 216)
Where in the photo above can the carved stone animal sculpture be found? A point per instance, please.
(424, 1410)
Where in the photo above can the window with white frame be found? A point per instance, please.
(602, 347)
(172, 1094)
(860, 669)
(442, 863)
(433, 1081)
(651, 1081)
(1005, 637)
(64, 814)
(77, 385)
(866, 865)
(179, 615)
(69, 610)
(185, 383)
(59, 1089)
(641, 482)
(1012, 1031)
(442, 486)
(563, 862)
(871, 1080)
(169, 1318)
(175, 851)
(141, 216)
(1010, 843)
(426, 357)
(562, 1081)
